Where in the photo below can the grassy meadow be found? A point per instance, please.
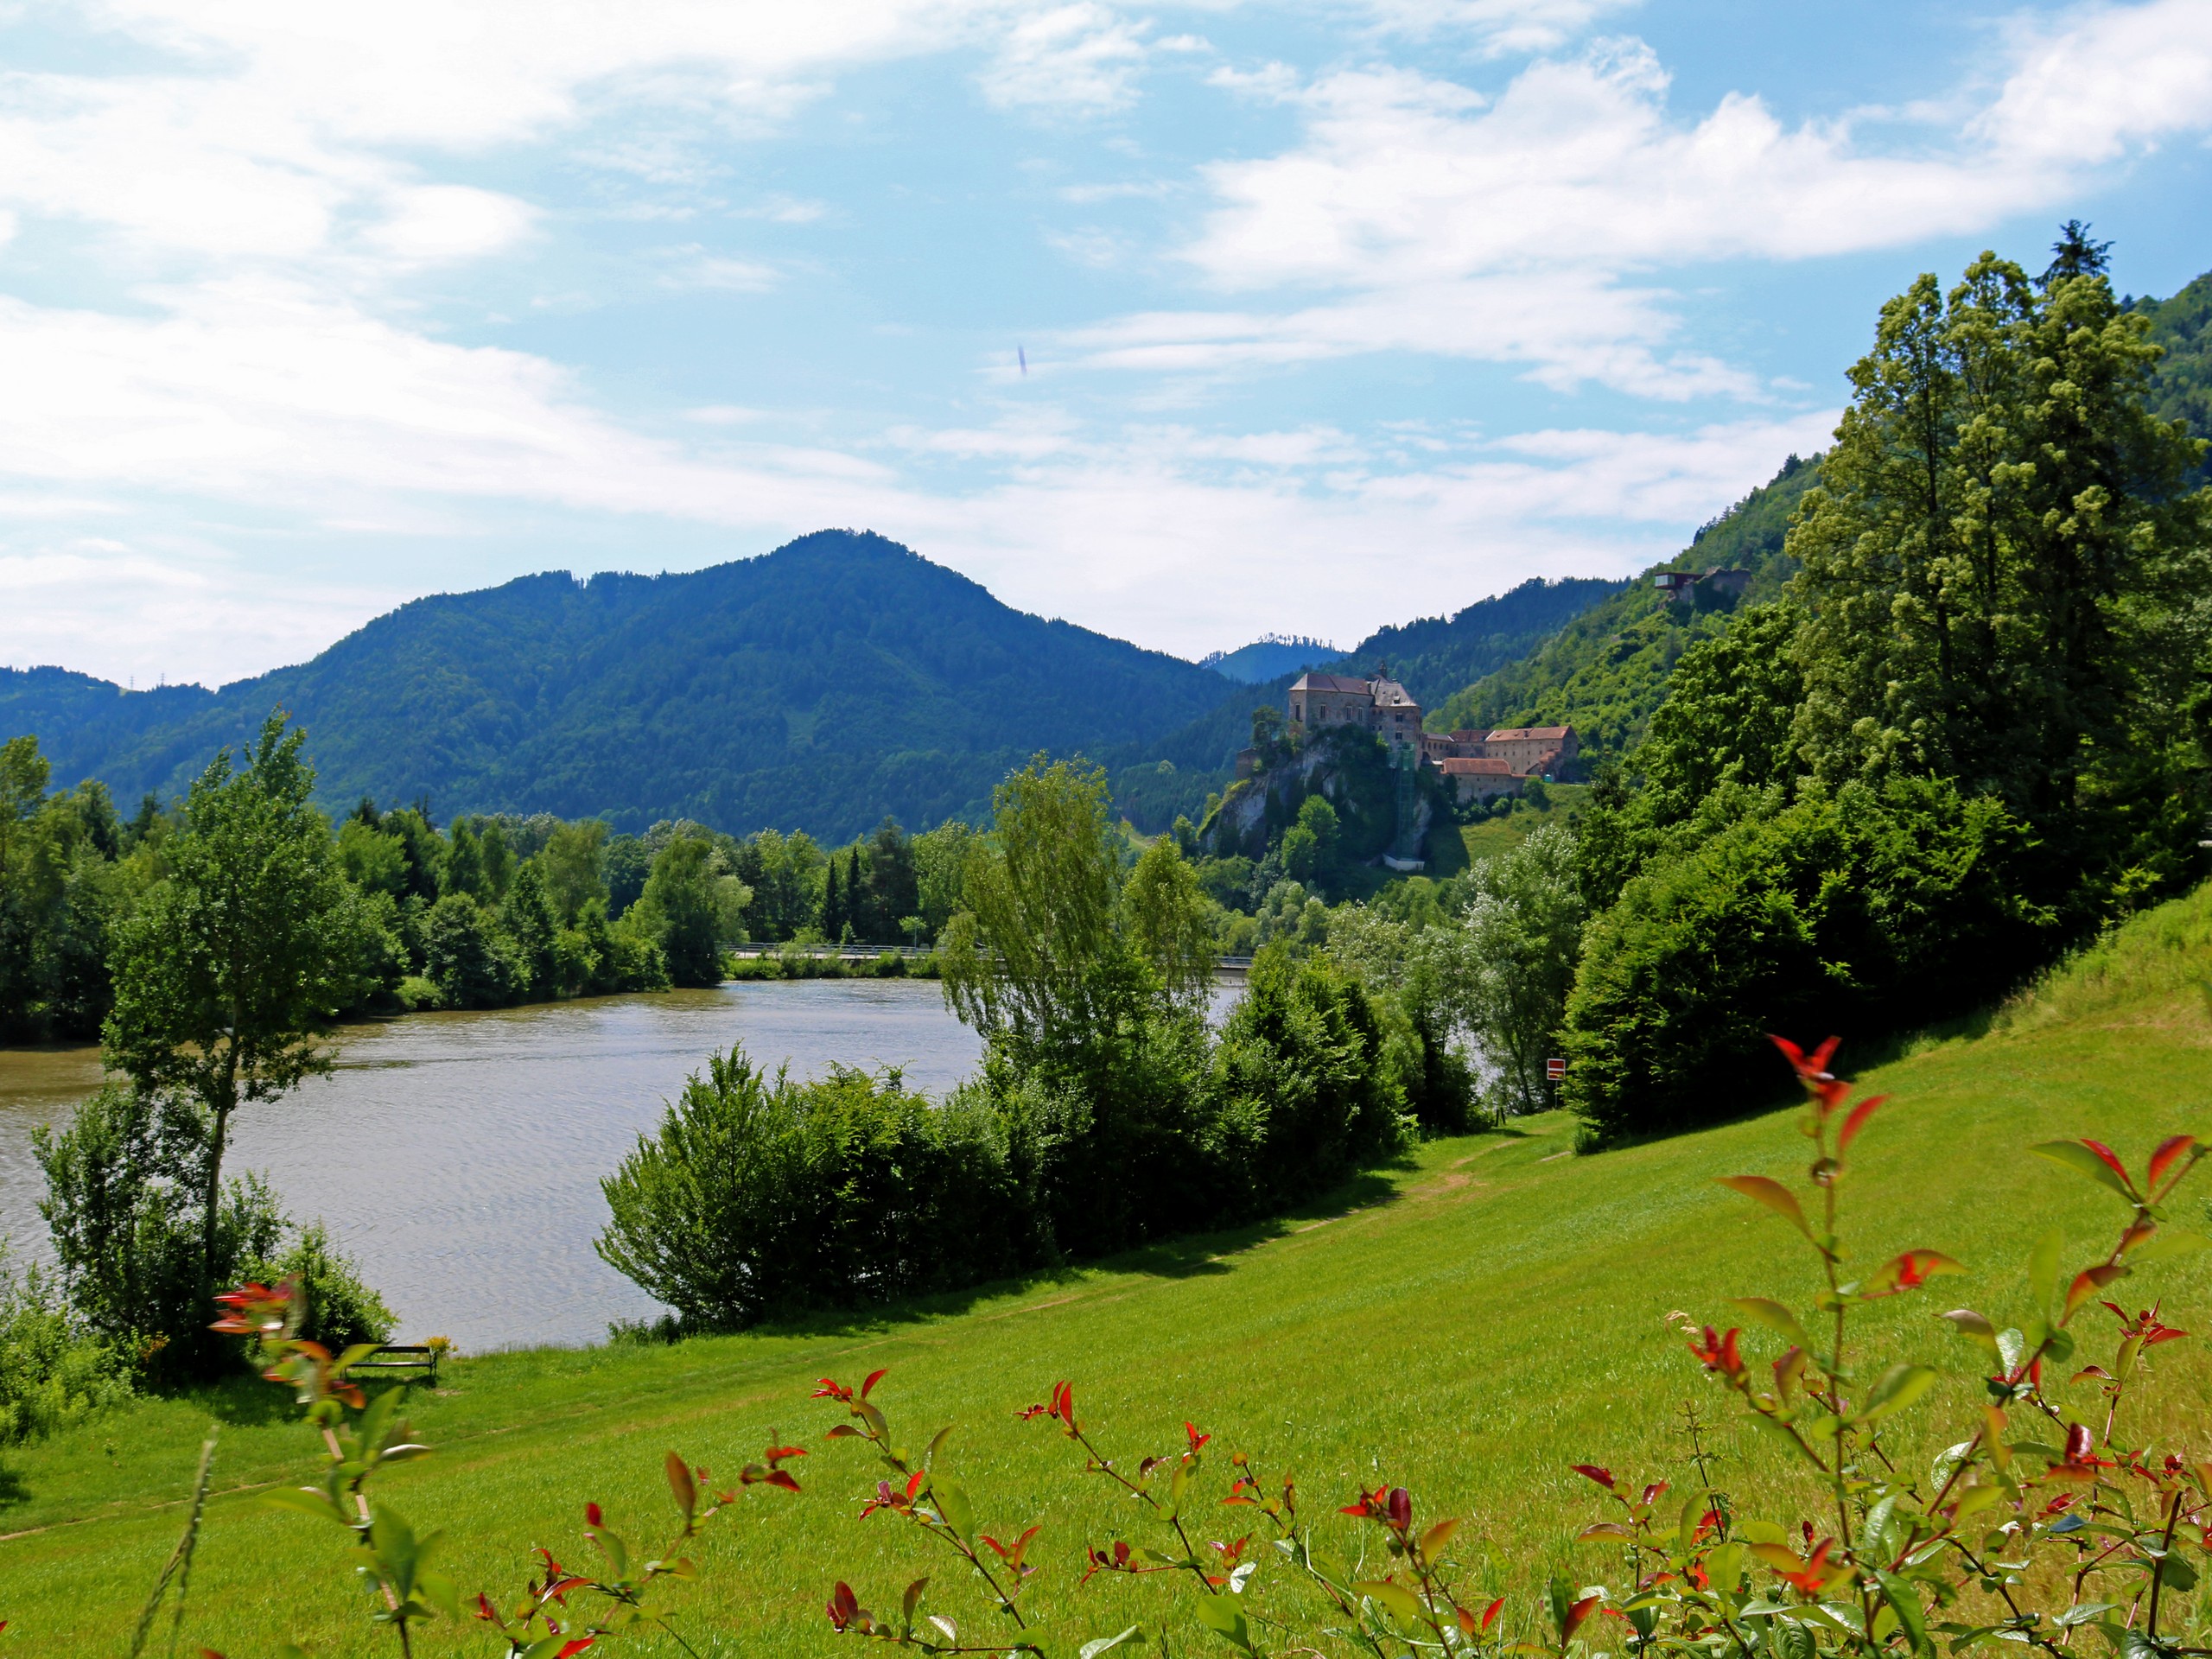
(1468, 1325)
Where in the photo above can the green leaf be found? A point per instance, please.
(952, 1501)
(1900, 1386)
(1905, 1603)
(681, 1485)
(2177, 1573)
(936, 1444)
(1224, 1618)
(304, 1500)
(1108, 1643)
(2169, 1246)
(1176, 1484)
(2043, 1265)
(1774, 1317)
(2081, 1161)
(1773, 1194)
(1394, 1598)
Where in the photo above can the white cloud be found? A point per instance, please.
(1083, 56)
(1523, 228)
(693, 267)
(432, 224)
(1498, 26)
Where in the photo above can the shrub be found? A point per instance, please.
(339, 1310)
(53, 1370)
(123, 1184)
(760, 1196)
(1881, 908)
(1301, 1091)
(466, 956)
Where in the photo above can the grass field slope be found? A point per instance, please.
(1469, 1324)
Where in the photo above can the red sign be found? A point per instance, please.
(1555, 1069)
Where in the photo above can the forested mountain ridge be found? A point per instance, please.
(1607, 670)
(820, 686)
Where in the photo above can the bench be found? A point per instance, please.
(423, 1361)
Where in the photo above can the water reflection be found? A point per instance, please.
(459, 1155)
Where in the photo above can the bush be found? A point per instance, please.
(760, 1196)
(1864, 909)
(53, 1370)
(1299, 1085)
(340, 1309)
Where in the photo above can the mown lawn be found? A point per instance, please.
(1470, 1325)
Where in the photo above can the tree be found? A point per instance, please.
(1999, 561)
(570, 867)
(680, 903)
(1169, 922)
(940, 856)
(833, 905)
(498, 862)
(893, 885)
(238, 960)
(1310, 846)
(24, 774)
(2075, 255)
(464, 871)
(1036, 960)
(1516, 965)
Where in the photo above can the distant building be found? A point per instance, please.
(1716, 582)
(1480, 763)
(1320, 702)
(1478, 778)
(1533, 751)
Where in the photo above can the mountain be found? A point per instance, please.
(2181, 387)
(817, 687)
(1607, 670)
(1431, 657)
(1268, 657)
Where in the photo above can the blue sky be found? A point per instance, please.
(1334, 313)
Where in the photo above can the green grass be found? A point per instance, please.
(1469, 1324)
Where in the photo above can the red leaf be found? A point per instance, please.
(1490, 1613)
(568, 1649)
(1857, 1121)
(1577, 1614)
(2172, 1148)
(780, 1477)
(914, 1481)
(874, 1377)
(2112, 1161)
(591, 1514)
(1602, 1477)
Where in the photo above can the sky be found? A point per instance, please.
(1185, 323)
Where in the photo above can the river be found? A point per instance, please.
(458, 1156)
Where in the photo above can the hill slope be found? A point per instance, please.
(817, 687)
(2181, 388)
(1265, 659)
(1471, 1326)
(1607, 670)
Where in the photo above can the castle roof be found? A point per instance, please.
(1330, 683)
(1478, 767)
(1525, 734)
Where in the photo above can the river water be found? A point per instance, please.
(458, 1156)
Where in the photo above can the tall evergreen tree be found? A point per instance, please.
(833, 905)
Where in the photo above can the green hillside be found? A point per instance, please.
(1470, 1325)
(1607, 670)
(2183, 388)
(817, 687)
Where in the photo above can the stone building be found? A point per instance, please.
(1533, 751)
(1320, 702)
(1478, 778)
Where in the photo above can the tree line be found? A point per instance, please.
(484, 912)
